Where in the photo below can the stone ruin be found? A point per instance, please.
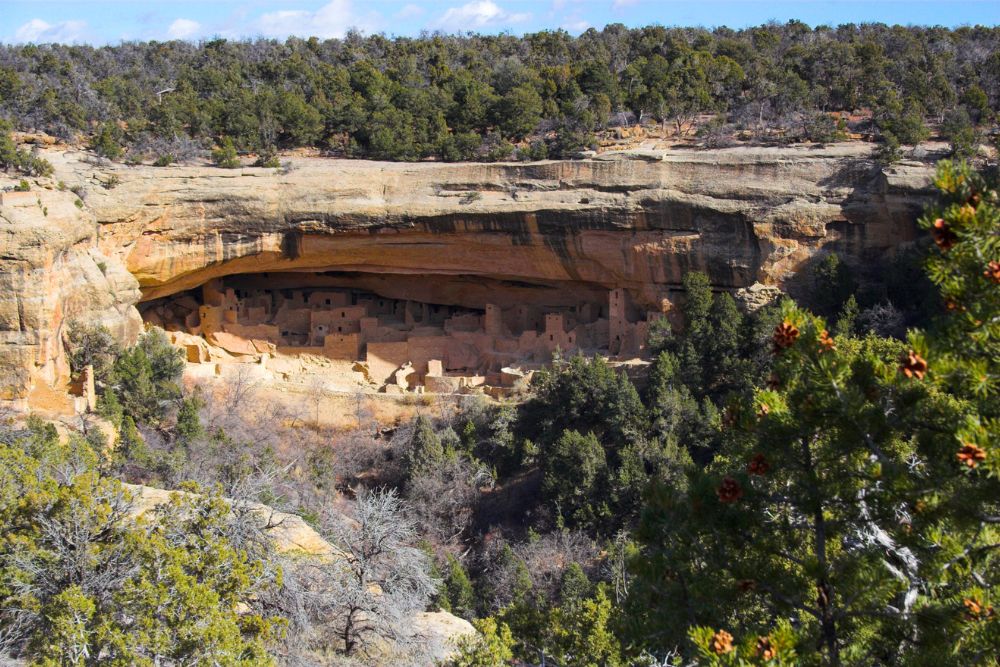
(399, 345)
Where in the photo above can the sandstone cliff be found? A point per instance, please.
(52, 272)
(473, 233)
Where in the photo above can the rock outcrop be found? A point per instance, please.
(637, 221)
(51, 273)
(460, 234)
(436, 632)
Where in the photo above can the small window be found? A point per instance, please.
(329, 302)
(551, 337)
(343, 313)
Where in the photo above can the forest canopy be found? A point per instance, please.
(545, 94)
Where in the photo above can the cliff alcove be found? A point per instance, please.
(439, 333)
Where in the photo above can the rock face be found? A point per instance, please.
(458, 234)
(637, 221)
(290, 533)
(51, 273)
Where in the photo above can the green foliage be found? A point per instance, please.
(225, 155)
(717, 648)
(268, 159)
(959, 131)
(822, 128)
(93, 346)
(490, 646)
(575, 585)
(19, 160)
(459, 591)
(188, 428)
(849, 515)
(716, 354)
(519, 111)
(847, 319)
(575, 477)
(583, 633)
(964, 359)
(592, 480)
(443, 96)
(80, 580)
(832, 285)
(426, 452)
(901, 119)
(107, 141)
(145, 376)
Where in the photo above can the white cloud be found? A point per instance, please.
(409, 11)
(477, 15)
(622, 4)
(183, 28)
(331, 20)
(40, 32)
(575, 26)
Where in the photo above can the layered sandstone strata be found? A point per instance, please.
(52, 273)
(460, 234)
(635, 220)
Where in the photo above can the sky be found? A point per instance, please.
(112, 21)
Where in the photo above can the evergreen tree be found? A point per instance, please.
(574, 587)
(426, 452)
(461, 597)
(575, 470)
(189, 428)
(225, 155)
(82, 583)
(848, 518)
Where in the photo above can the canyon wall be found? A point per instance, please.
(52, 273)
(442, 233)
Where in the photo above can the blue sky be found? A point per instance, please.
(112, 21)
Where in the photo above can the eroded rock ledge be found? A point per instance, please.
(521, 232)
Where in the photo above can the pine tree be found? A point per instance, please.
(426, 452)
(461, 597)
(850, 515)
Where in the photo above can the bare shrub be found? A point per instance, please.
(366, 596)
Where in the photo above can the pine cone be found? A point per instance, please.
(971, 454)
(729, 491)
(722, 642)
(912, 365)
(785, 335)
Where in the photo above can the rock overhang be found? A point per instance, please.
(632, 221)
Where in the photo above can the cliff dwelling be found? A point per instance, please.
(460, 335)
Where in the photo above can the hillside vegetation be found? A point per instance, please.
(478, 97)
